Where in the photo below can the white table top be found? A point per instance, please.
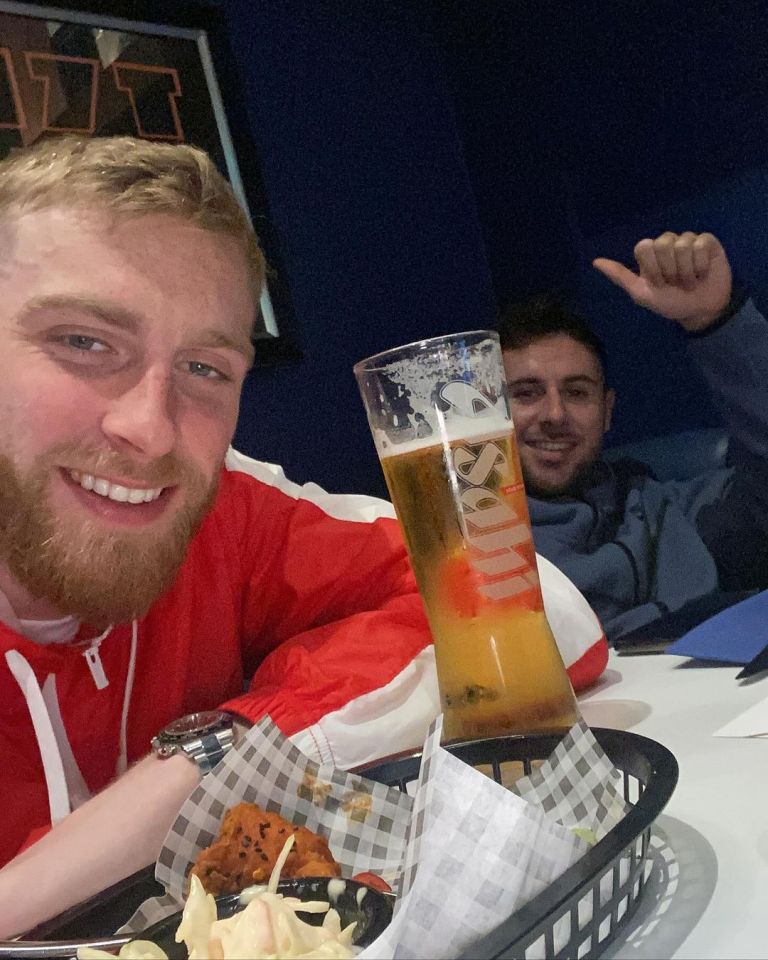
(717, 819)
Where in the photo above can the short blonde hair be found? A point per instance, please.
(129, 177)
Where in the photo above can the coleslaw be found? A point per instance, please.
(266, 929)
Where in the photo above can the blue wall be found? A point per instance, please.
(371, 197)
(424, 160)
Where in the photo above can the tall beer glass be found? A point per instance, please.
(439, 415)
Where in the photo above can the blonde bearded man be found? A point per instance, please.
(141, 577)
(146, 570)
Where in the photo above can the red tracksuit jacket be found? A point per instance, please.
(319, 611)
(308, 594)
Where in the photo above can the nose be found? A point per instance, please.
(141, 418)
(553, 408)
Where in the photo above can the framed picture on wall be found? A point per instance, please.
(105, 67)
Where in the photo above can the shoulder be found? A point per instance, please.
(261, 479)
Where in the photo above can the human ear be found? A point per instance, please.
(608, 402)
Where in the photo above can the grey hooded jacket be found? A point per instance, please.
(640, 549)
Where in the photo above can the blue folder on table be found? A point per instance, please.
(735, 635)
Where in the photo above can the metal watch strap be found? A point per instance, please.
(209, 750)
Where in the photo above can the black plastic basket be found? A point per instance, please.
(649, 774)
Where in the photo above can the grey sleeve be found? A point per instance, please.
(733, 359)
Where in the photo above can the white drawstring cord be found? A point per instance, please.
(77, 788)
(59, 801)
(55, 779)
(122, 760)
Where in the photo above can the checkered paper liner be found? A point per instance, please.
(464, 853)
(477, 851)
(430, 756)
(364, 822)
(577, 785)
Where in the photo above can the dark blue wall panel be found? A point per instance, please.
(371, 197)
(426, 160)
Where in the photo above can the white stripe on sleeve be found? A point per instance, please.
(341, 506)
(387, 720)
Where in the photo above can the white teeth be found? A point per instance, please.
(114, 491)
(118, 493)
(552, 446)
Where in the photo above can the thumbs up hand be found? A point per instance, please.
(683, 277)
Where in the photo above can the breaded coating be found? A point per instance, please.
(250, 842)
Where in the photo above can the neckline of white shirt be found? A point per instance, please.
(44, 632)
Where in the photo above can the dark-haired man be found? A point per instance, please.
(640, 549)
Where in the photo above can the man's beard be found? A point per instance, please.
(98, 573)
(573, 488)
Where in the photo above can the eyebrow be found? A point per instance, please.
(583, 378)
(525, 382)
(110, 313)
(115, 315)
(215, 338)
(537, 381)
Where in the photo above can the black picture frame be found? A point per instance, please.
(228, 140)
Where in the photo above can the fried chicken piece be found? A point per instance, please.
(250, 842)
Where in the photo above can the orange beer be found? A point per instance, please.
(461, 504)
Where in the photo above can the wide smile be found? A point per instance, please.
(115, 491)
(552, 453)
(115, 501)
(551, 446)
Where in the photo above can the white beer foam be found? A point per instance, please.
(452, 427)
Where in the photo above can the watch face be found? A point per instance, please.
(196, 723)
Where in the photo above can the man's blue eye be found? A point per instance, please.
(81, 342)
(205, 370)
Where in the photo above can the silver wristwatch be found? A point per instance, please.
(203, 737)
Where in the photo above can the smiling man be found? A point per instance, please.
(122, 370)
(645, 552)
(147, 571)
(562, 407)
